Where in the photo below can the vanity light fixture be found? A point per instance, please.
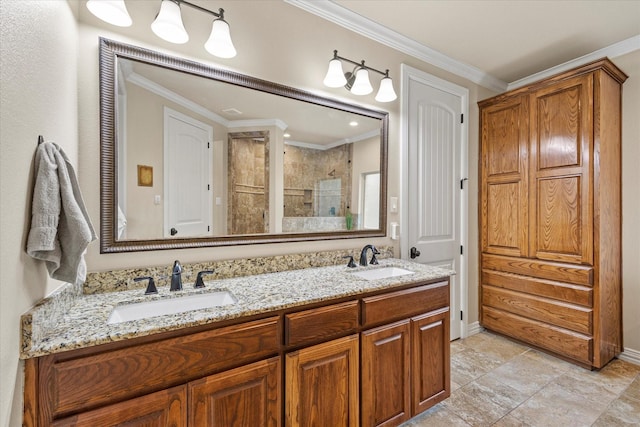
(357, 81)
(168, 23)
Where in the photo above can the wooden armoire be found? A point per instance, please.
(550, 214)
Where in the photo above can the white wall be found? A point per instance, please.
(38, 95)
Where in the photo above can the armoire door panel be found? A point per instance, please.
(561, 206)
(505, 220)
(504, 137)
(559, 231)
(559, 128)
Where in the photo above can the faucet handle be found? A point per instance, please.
(151, 286)
(374, 260)
(350, 264)
(199, 282)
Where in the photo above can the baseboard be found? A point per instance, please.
(630, 355)
(474, 328)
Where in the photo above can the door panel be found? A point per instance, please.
(436, 154)
(188, 201)
(322, 385)
(504, 178)
(561, 208)
(386, 385)
(246, 396)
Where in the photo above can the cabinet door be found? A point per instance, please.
(322, 385)
(386, 384)
(561, 210)
(166, 408)
(430, 360)
(246, 396)
(504, 175)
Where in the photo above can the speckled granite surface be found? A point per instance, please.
(83, 322)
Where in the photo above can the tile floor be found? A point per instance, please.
(497, 382)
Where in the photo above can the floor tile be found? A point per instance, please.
(438, 416)
(621, 412)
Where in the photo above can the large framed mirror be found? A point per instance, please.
(195, 156)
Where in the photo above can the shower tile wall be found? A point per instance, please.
(305, 168)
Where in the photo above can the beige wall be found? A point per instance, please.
(46, 90)
(38, 95)
(630, 64)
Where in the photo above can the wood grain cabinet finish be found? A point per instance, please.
(245, 396)
(166, 408)
(322, 385)
(550, 213)
(405, 368)
(321, 324)
(298, 367)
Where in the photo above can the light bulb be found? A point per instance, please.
(386, 92)
(362, 85)
(219, 43)
(335, 76)
(112, 11)
(168, 24)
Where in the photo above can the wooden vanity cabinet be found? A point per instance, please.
(375, 359)
(322, 384)
(405, 364)
(550, 213)
(245, 396)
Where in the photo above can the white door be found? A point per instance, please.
(187, 180)
(436, 144)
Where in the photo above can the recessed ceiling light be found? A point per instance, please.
(353, 123)
(286, 135)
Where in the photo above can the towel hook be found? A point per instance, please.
(40, 139)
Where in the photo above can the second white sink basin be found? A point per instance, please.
(382, 273)
(161, 307)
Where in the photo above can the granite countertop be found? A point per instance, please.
(83, 322)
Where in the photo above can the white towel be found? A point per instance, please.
(60, 226)
(122, 223)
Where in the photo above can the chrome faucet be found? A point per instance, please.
(176, 277)
(363, 255)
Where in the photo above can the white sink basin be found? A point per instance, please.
(161, 307)
(382, 273)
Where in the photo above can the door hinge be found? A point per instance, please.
(208, 187)
(461, 250)
(208, 228)
(461, 118)
(461, 316)
(462, 183)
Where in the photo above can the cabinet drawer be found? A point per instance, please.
(69, 384)
(576, 274)
(573, 317)
(321, 323)
(401, 304)
(567, 292)
(558, 340)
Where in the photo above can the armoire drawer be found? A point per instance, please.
(566, 292)
(561, 341)
(560, 272)
(568, 316)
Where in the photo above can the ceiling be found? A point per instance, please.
(507, 40)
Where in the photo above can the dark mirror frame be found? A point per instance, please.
(109, 52)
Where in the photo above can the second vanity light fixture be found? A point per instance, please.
(168, 23)
(357, 81)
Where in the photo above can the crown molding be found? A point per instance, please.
(352, 21)
(617, 49)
